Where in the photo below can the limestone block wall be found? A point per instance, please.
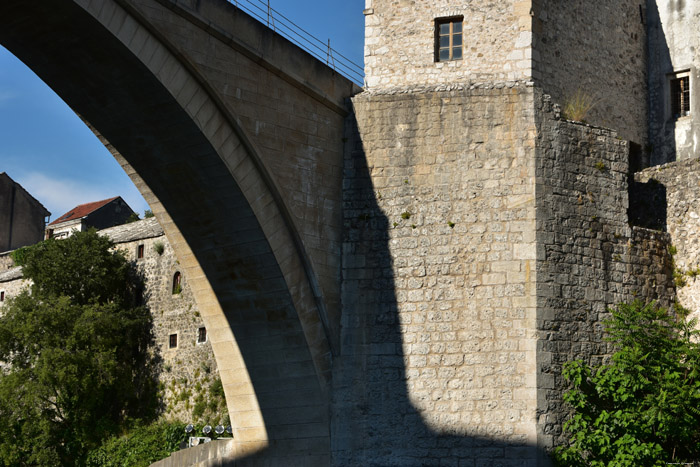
(599, 48)
(400, 42)
(438, 341)
(588, 257)
(674, 41)
(680, 184)
(187, 370)
(6, 261)
(11, 283)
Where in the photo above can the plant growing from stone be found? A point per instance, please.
(641, 408)
(159, 247)
(577, 106)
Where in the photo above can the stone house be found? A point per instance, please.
(22, 217)
(97, 214)
(188, 366)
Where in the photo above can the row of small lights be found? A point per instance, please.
(219, 430)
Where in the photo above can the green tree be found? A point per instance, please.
(141, 447)
(641, 408)
(75, 352)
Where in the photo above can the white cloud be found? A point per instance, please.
(59, 195)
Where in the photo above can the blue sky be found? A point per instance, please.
(46, 148)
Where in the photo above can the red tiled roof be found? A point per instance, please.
(82, 210)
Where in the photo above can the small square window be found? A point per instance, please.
(448, 39)
(680, 96)
(201, 335)
(172, 341)
(139, 252)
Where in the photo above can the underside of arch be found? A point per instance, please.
(194, 167)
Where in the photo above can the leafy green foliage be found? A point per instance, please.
(159, 247)
(142, 446)
(75, 349)
(641, 409)
(148, 213)
(132, 218)
(81, 267)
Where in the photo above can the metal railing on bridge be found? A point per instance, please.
(262, 11)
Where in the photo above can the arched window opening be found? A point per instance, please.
(177, 283)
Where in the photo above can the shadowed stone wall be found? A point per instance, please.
(680, 182)
(234, 137)
(438, 356)
(598, 48)
(588, 257)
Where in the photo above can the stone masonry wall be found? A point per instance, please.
(438, 343)
(6, 261)
(599, 48)
(400, 42)
(189, 369)
(680, 182)
(11, 283)
(674, 42)
(588, 258)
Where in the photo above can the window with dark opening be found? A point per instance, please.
(177, 283)
(172, 341)
(448, 39)
(139, 252)
(201, 335)
(2, 296)
(680, 96)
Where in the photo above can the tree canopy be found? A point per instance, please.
(76, 366)
(641, 408)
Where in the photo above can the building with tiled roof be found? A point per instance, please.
(98, 214)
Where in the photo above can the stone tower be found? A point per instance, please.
(674, 80)
(485, 234)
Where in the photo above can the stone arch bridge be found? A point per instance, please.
(235, 138)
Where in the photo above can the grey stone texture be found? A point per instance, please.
(217, 453)
(439, 292)
(674, 41)
(678, 184)
(486, 238)
(187, 370)
(598, 48)
(400, 42)
(391, 281)
(588, 256)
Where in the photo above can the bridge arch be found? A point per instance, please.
(260, 260)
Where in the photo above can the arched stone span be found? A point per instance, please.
(235, 140)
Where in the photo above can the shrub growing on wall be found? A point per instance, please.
(642, 408)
